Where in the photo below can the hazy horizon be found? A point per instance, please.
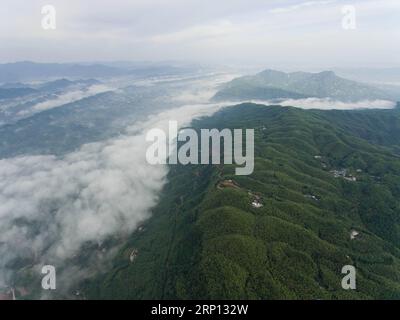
(275, 34)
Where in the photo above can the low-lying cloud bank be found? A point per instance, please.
(52, 206)
(329, 104)
(68, 97)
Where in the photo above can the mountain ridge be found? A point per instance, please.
(206, 239)
(325, 84)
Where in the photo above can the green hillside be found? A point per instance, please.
(206, 240)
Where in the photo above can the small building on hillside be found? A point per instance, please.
(133, 255)
(354, 234)
(256, 204)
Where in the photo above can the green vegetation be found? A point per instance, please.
(271, 84)
(206, 240)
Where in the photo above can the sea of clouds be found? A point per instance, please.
(330, 104)
(52, 206)
(65, 98)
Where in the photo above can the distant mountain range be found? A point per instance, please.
(62, 84)
(271, 84)
(25, 71)
(28, 71)
(18, 89)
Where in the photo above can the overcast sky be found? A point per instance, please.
(285, 33)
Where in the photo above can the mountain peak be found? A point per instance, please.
(327, 74)
(269, 72)
(325, 84)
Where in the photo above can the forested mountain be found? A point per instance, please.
(271, 84)
(325, 193)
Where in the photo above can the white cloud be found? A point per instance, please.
(329, 104)
(195, 33)
(51, 206)
(301, 5)
(68, 97)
